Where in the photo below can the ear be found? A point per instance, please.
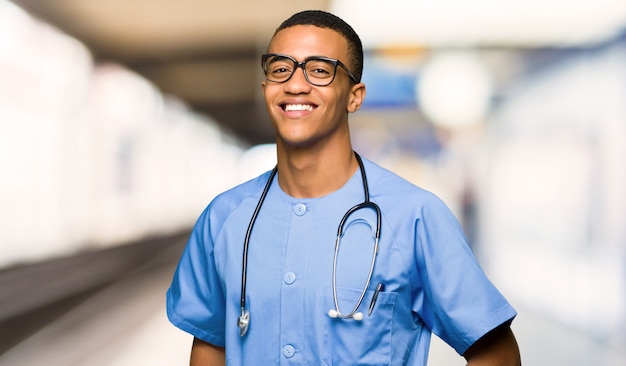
(356, 97)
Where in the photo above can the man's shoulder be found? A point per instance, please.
(389, 186)
(389, 181)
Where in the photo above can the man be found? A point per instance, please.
(309, 282)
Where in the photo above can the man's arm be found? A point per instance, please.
(206, 354)
(496, 348)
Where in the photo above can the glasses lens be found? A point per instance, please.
(278, 68)
(320, 71)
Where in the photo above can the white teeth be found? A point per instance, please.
(298, 107)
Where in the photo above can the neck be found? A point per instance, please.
(305, 174)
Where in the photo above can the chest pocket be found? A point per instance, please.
(365, 342)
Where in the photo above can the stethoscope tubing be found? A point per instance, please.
(365, 204)
(351, 314)
(244, 319)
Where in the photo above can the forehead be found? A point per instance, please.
(302, 41)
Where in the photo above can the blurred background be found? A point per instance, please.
(121, 120)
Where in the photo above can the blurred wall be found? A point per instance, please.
(554, 199)
(93, 154)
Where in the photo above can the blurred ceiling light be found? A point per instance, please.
(40, 66)
(455, 89)
(15, 25)
(529, 23)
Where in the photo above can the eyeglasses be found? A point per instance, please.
(318, 70)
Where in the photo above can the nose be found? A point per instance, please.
(298, 83)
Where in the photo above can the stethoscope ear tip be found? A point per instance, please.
(333, 313)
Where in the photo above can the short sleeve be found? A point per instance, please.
(458, 302)
(195, 299)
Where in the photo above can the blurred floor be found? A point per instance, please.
(122, 324)
(125, 324)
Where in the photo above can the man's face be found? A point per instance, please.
(304, 114)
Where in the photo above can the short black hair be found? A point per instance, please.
(324, 19)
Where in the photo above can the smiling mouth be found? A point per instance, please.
(297, 107)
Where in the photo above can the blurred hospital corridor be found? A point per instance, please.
(120, 121)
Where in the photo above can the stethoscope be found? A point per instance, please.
(244, 319)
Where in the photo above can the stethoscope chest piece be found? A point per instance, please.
(243, 322)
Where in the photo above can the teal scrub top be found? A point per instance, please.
(432, 281)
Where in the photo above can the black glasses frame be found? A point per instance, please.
(302, 64)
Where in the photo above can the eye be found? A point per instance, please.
(320, 68)
(278, 70)
(320, 72)
(279, 66)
